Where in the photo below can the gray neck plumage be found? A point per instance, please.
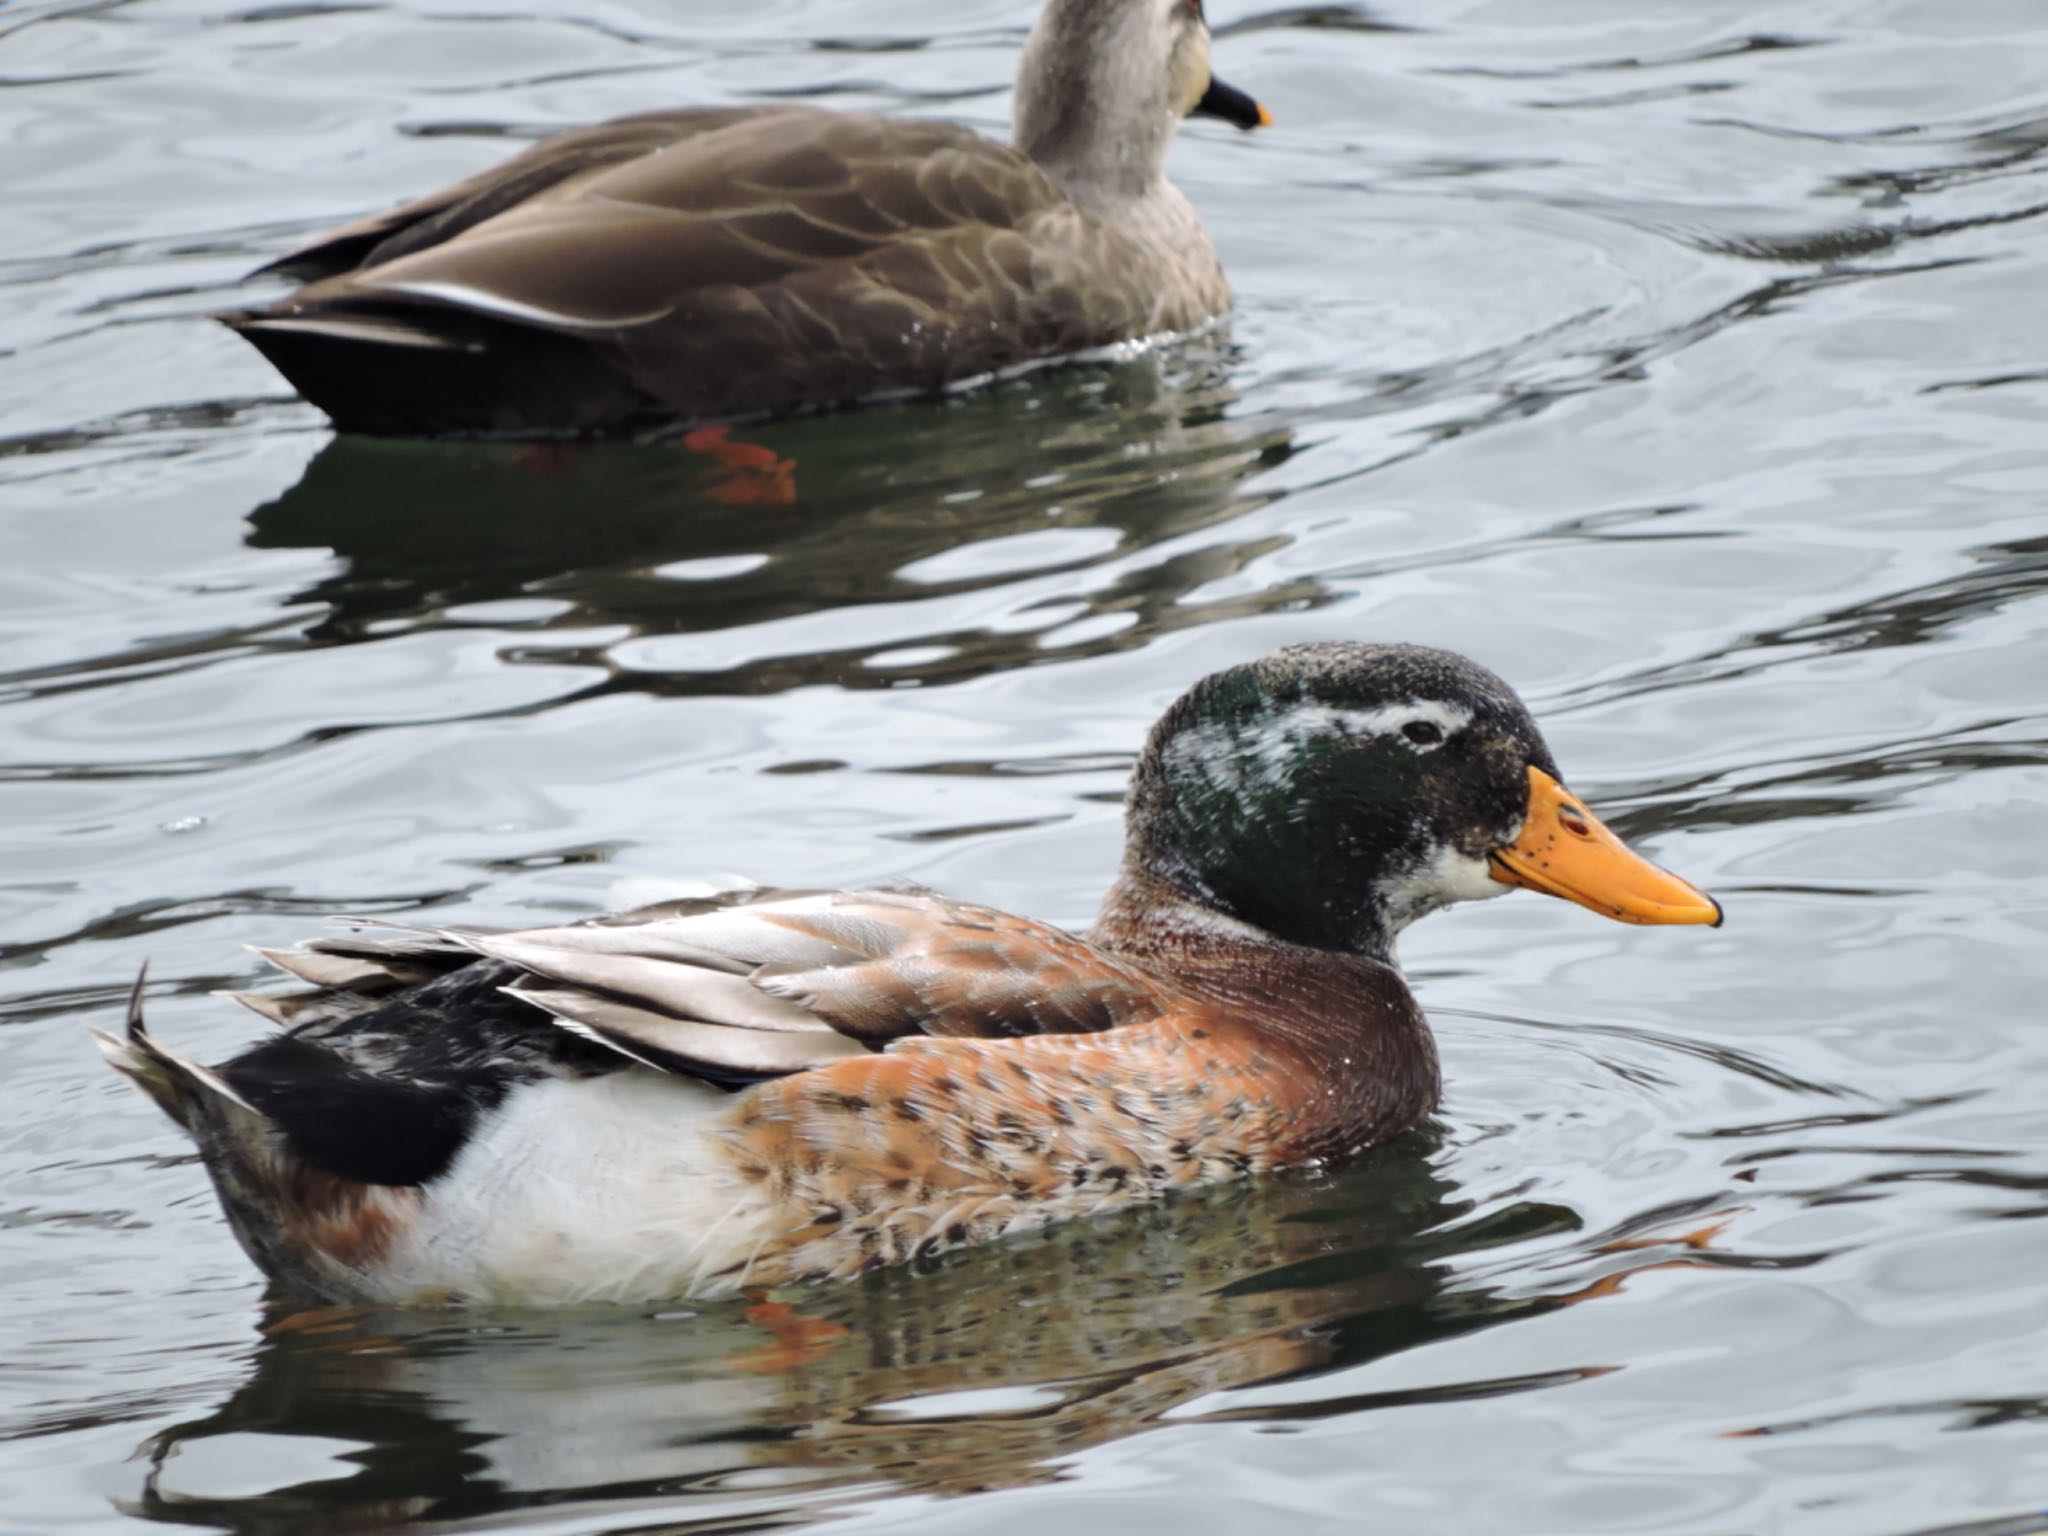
(1094, 106)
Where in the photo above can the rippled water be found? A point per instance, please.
(1686, 363)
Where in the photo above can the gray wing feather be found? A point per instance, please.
(680, 990)
(664, 941)
(682, 1045)
(288, 1010)
(345, 973)
(737, 987)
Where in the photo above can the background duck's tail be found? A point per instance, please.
(413, 368)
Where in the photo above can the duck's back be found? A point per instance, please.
(717, 263)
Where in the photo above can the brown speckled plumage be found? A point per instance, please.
(1248, 1063)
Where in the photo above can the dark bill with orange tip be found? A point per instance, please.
(1233, 106)
(1565, 851)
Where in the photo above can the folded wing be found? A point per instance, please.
(740, 988)
(441, 215)
(838, 255)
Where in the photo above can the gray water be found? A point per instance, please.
(1686, 362)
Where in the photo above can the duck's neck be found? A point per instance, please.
(1344, 1022)
(1147, 911)
(1262, 876)
(1144, 914)
(1085, 114)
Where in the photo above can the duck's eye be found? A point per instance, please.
(1424, 733)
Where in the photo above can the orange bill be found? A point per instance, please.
(1565, 851)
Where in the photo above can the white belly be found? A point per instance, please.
(610, 1189)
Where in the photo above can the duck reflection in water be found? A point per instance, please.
(805, 517)
(1047, 1347)
(978, 1370)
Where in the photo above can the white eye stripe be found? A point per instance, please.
(1225, 758)
(1391, 719)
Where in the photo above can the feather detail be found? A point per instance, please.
(168, 1078)
(687, 1046)
(654, 940)
(356, 330)
(343, 972)
(288, 1010)
(682, 990)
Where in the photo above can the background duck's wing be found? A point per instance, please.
(621, 228)
(448, 211)
(779, 261)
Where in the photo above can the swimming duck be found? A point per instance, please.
(748, 261)
(773, 1086)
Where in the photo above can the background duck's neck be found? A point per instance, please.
(1092, 106)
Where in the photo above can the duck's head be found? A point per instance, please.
(1103, 85)
(1329, 795)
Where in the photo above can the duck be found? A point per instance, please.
(768, 1087)
(730, 263)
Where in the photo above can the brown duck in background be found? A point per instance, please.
(726, 262)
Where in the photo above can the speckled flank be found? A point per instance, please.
(942, 1143)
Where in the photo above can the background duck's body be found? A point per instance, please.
(767, 1087)
(731, 262)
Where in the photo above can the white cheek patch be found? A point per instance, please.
(1448, 876)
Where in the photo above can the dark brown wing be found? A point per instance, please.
(776, 262)
(448, 211)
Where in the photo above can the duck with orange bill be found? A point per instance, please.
(773, 1086)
